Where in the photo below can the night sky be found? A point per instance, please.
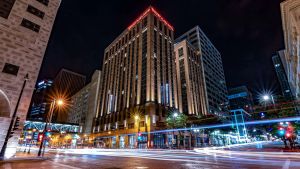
(246, 32)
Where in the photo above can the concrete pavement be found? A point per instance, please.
(164, 159)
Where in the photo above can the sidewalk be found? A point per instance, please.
(24, 157)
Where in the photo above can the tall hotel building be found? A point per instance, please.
(25, 27)
(212, 73)
(139, 79)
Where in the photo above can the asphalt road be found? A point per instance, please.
(142, 159)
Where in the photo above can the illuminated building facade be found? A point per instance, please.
(240, 98)
(215, 90)
(139, 78)
(290, 11)
(189, 79)
(40, 101)
(25, 28)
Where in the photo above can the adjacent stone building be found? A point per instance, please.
(85, 104)
(190, 79)
(25, 27)
(212, 74)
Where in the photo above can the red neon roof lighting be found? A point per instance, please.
(151, 9)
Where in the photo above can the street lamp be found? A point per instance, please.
(267, 98)
(59, 102)
(137, 119)
(175, 115)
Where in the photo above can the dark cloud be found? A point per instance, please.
(246, 32)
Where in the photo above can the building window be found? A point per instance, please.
(144, 22)
(11, 69)
(45, 2)
(30, 25)
(35, 11)
(180, 52)
(5, 7)
(155, 21)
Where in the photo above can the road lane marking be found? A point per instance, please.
(64, 165)
(286, 164)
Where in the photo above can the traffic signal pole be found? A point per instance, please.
(10, 128)
(48, 120)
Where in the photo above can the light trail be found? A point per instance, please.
(270, 121)
(289, 119)
(212, 157)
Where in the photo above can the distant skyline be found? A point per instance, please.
(246, 32)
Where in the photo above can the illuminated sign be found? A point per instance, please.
(40, 83)
(150, 9)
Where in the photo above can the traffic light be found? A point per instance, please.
(47, 134)
(40, 137)
(262, 115)
(281, 132)
(139, 136)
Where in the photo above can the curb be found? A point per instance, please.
(20, 159)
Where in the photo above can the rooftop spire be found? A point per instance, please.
(145, 13)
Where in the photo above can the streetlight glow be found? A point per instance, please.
(175, 115)
(60, 102)
(266, 97)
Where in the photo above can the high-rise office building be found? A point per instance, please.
(66, 83)
(40, 101)
(191, 93)
(139, 78)
(85, 104)
(281, 75)
(215, 90)
(25, 28)
(290, 11)
(240, 98)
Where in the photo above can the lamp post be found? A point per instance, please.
(175, 115)
(48, 120)
(2, 153)
(137, 119)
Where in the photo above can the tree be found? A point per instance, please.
(179, 121)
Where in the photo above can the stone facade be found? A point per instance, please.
(190, 79)
(25, 27)
(290, 13)
(213, 78)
